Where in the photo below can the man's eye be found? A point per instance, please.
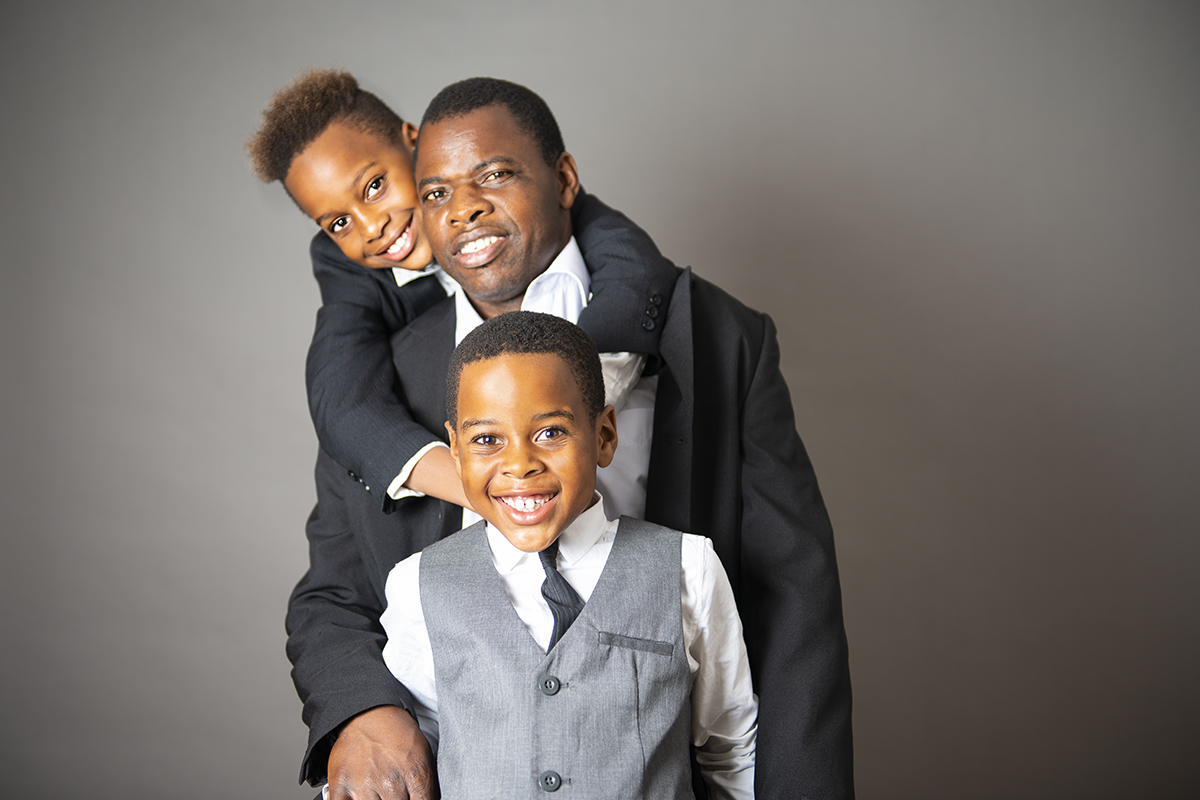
(339, 224)
(433, 194)
(374, 186)
(498, 175)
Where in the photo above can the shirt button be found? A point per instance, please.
(549, 781)
(648, 324)
(549, 685)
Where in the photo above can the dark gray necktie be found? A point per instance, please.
(565, 602)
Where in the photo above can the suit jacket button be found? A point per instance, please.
(656, 299)
(549, 781)
(652, 312)
(648, 324)
(549, 685)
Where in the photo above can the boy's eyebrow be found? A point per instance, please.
(353, 182)
(560, 413)
(481, 165)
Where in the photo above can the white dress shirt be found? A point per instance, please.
(563, 290)
(724, 707)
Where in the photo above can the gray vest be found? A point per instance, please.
(606, 713)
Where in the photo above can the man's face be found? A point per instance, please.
(495, 212)
(359, 189)
(526, 451)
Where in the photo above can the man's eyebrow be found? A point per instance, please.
(482, 165)
(353, 182)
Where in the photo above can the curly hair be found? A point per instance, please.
(300, 112)
(531, 112)
(526, 332)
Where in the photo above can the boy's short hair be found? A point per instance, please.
(301, 112)
(529, 332)
(531, 112)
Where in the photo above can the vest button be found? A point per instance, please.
(549, 685)
(549, 781)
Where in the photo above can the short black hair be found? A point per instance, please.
(301, 111)
(531, 112)
(528, 332)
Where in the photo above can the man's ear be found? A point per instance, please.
(454, 448)
(606, 436)
(568, 180)
(408, 134)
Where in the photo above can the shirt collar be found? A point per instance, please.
(561, 290)
(573, 543)
(404, 276)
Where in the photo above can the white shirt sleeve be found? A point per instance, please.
(396, 489)
(724, 707)
(408, 653)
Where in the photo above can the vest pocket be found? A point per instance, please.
(630, 643)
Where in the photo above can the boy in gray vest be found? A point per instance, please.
(625, 653)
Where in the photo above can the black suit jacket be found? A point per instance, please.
(726, 462)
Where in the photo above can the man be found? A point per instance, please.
(722, 459)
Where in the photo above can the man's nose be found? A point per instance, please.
(468, 205)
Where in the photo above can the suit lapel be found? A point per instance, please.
(669, 483)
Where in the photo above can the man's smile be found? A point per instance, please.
(479, 247)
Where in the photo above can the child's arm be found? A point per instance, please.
(724, 707)
(631, 280)
(359, 419)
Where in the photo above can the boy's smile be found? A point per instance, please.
(359, 189)
(525, 448)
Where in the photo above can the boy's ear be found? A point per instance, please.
(453, 447)
(408, 133)
(606, 436)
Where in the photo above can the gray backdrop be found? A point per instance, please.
(975, 225)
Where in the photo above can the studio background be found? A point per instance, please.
(976, 226)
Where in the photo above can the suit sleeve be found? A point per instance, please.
(350, 375)
(335, 639)
(791, 600)
(631, 280)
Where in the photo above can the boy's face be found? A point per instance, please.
(525, 448)
(359, 189)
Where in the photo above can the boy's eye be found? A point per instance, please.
(339, 224)
(547, 434)
(374, 186)
(486, 439)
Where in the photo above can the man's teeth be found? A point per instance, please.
(479, 244)
(400, 244)
(525, 504)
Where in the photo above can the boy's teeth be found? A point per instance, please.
(479, 244)
(525, 504)
(400, 244)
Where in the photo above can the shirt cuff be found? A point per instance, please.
(396, 489)
(621, 372)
